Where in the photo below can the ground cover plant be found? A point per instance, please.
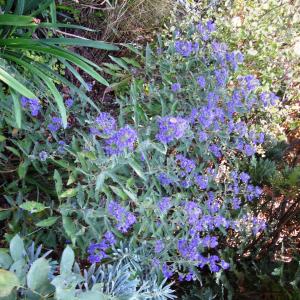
(139, 202)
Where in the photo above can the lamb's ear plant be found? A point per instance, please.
(27, 273)
(26, 40)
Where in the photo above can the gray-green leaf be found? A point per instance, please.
(37, 276)
(67, 260)
(8, 281)
(16, 248)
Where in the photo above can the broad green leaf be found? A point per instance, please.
(2, 138)
(69, 193)
(8, 281)
(67, 260)
(17, 109)
(16, 248)
(37, 276)
(33, 207)
(47, 222)
(15, 20)
(15, 84)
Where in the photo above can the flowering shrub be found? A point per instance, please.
(178, 173)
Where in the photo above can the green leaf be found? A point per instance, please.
(135, 166)
(57, 96)
(67, 260)
(132, 62)
(119, 192)
(47, 222)
(22, 169)
(20, 7)
(100, 180)
(53, 12)
(8, 281)
(15, 20)
(80, 42)
(33, 207)
(69, 193)
(120, 62)
(13, 150)
(70, 228)
(15, 84)
(2, 138)
(37, 276)
(58, 182)
(16, 247)
(17, 109)
(59, 101)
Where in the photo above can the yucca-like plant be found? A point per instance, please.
(24, 38)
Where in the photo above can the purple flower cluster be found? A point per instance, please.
(97, 252)
(176, 87)
(171, 128)
(206, 29)
(159, 246)
(201, 81)
(32, 104)
(106, 123)
(121, 140)
(124, 218)
(186, 165)
(191, 250)
(164, 179)
(55, 125)
(164, 204)
(69, 102)
(185, 48)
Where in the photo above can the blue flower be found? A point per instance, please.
(69, 102)
(120, 141)
(184, 48)
(201, 82)
(124, 218)
(32, 104)
(171, 128)
(106, 123)
(176, 87)
(43, 155)
(159, 246)
(201, 181)
(164, 179)
(164, 204)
